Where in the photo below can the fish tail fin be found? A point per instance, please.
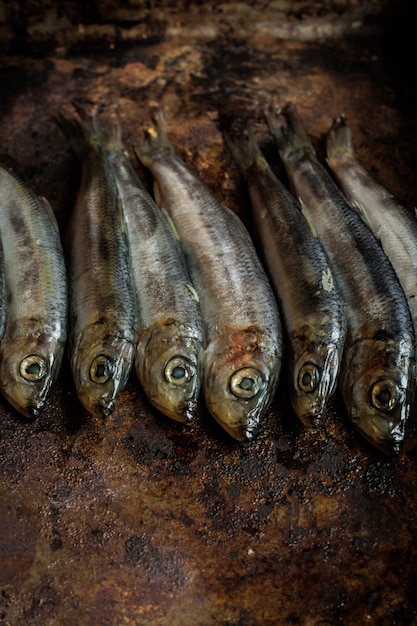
(112, 135)
(286, 128)
(339, 141)
(156, 140)
(244, 149)
(80, 130)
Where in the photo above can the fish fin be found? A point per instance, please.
(307, 216)
(171, 224)
(327, 281)
(286, 128)
(239, 224)
(120, 214)
(112, 135)
(244, 150)
(193, 292)
(358, 207)
(50, 212)
(339, 140)
(80, 129)
(156, 140)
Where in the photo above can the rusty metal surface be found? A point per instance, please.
(137, 520)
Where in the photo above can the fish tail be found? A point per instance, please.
(81, 129)
(156, 140)
(112, 135)
(287, 130)
(244, 149)
(339, 141)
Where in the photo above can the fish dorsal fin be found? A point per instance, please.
(171, 223)
(307, 217)
(50, 212)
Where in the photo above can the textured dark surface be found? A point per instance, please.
(137, 520)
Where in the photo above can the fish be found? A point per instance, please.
(103, 312)
(169, 349)
(313, 310)
(243, 345)
(391, 223)
(35, 332)
(378, 362)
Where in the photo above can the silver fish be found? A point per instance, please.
(243, 333)
(103, 315)
(36, 330)
(392, 224)
(169, 352)
(378, 363)
(313, 309)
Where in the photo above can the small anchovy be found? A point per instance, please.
(313, 309)
(391, 223)
(36, 329)
(103, 315)
(377, 370)
(243, 333)
(169, 352)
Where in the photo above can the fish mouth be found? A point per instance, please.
(383, 436)
(105, 407)
(240, 429)
(183, 414)
(31, 411)
(309, 412)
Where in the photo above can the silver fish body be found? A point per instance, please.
(243, 333)
(36, 330)
(392, 224)
(103, 315)
(312, 307)
(378, 363)
(169, 351)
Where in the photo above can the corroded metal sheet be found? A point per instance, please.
(139, 520)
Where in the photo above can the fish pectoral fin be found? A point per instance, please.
(358, 207)
(239, 223)
(119, 209)
(193, 292)
(307, 216)
(50, 212)
(171, 223)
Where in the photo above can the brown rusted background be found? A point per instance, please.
(137, 520)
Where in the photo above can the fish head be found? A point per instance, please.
(241, 372)
(168, 364)
(377, 387)
(314, 380)
(100, 369)
(29, 363)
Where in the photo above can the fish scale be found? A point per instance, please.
(392, 224)
(103, 328)
(169, 349)
(36, 329)
(378, 361)
(312, 307)
(243, 331)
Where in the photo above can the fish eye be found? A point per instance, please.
(101, 369)
(384, 394)
(246, 383)
(179, 371)
(33, 367)
(309, 377)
